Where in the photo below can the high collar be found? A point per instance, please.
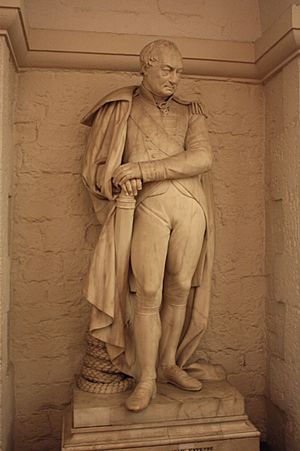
(147, 95)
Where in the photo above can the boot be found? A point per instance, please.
(172, 320)
(146, 334)
(141, 396)
(177, 376)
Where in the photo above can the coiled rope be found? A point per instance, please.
(98, 373)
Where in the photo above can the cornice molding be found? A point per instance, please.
(279, 44)
(246, 61)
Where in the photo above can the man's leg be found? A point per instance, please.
(148, 255)
(183, 255)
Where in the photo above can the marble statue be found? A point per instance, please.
(147, 169)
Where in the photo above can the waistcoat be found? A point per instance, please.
(139, 146)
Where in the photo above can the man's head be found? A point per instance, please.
(161, 67)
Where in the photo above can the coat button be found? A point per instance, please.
(155, 155)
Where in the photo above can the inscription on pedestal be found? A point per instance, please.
(205, 448)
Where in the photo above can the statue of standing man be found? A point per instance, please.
(149, 147)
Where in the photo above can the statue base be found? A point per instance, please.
(213, 419)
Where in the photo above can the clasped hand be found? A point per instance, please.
(129, 177)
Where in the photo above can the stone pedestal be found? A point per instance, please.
(210, 420)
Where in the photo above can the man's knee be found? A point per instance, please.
(148, 296)
(149, 289)
(178, 285)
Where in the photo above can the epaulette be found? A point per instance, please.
(194, 107)
(197, 108)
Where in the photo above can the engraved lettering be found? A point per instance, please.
(205, 448)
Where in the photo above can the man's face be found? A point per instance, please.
(163, 77)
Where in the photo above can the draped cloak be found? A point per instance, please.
(105, 148)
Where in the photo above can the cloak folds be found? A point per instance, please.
(108, 323)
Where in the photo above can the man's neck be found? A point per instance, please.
(158, 99)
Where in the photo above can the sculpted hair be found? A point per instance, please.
(150, 53)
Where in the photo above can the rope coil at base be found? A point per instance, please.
(98, 373)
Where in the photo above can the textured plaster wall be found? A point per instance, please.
(283, 256)
(236, 20)
(56, 230)
(7, 100)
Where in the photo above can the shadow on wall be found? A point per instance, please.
(265, 447)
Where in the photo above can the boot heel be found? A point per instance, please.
(160, 376)
(154, 392)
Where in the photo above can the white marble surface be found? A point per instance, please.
(210, 420)
(216, 399)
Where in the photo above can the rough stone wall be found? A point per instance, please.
(56, 231)
(236, 333)
(283, 257)
(8, 80)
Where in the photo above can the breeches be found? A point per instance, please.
(166, 245)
